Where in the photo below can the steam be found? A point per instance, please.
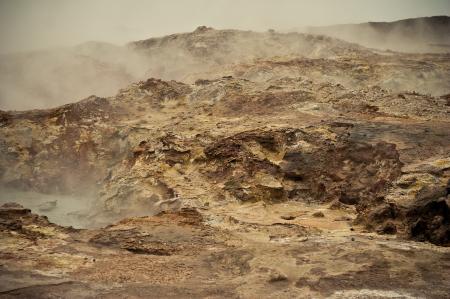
(67, 73)
(67, 210)
(50, 78)
(413, 35)
(81, 210)
(54, 77)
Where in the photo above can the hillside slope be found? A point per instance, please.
(50, 78)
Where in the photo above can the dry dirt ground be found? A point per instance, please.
(315, 174)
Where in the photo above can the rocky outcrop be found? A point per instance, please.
(302, 165)
(417, 205)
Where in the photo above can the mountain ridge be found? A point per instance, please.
(423, 34)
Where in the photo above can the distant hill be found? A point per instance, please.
(427, 34)
(49, 78)
(53, 77)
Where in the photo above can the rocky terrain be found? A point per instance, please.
(249, 165)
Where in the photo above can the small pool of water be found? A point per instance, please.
(66, 210)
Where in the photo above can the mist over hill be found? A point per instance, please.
(49, 78)
(427, 34)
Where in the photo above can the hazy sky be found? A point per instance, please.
(35, 24)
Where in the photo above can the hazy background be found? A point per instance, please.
(54, 52)
(33, 24)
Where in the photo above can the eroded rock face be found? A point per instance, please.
(429, 221)
(259, 165)
(417, 204)
(55, 150)
(297, 164)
